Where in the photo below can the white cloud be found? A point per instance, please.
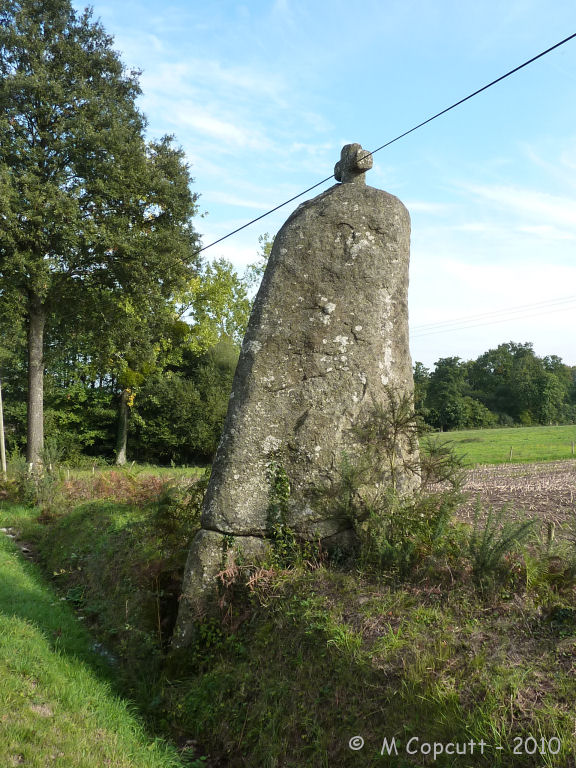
(447, 289)
(530, 204)
(242, 202)
(217, 128)
(210, 77)
(548, 231)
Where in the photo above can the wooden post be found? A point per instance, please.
(572, 447)
(2, 443)
(511, 451)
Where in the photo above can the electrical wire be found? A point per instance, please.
(493, 314)
(392, 141)
(462, 327)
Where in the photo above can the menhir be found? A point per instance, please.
(326, 342)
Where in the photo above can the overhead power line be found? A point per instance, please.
(501, 316)
(494, 313)
(397, 138)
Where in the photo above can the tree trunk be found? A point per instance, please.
(122, 437)
(35, 437)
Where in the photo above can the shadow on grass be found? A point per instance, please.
(26, 594)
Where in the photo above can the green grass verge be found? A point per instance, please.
(333, 656)
(288, 673)
(57, 707)
(497, 446)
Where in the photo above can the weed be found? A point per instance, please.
(396, 525)
(439, 463)
(403, 531)
(287, 547)
(389, 440)
(492, 541)
(178, 508)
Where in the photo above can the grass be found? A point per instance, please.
(334, 656)
(57, 706)
(285, 674)
(132, 468)
(520, 444)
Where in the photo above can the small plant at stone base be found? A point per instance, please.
(344, 498)
(397, 527)
(179, 507)
(38, 486)
(493, 541)
(399, 534)
(287, 547)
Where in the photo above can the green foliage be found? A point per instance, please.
(122, 563)
(440, 463)
(178, 415)
(315, 653)
(507, 385)
(58, 704)
(40, 489)
(400, 533)
(219, 305)
(389, 440)
(330, 652)
(178, 509)
(96, 228)
(492, 541)
(397, 527)
(287, 549)
(255, 272)
(79, 420)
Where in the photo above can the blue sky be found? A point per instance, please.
(262, 95)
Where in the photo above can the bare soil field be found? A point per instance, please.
(544, 490)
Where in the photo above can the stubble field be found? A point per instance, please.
(545, 491)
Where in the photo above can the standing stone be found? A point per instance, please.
(327, 338)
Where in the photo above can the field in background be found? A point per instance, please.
(131, 469)
(517, 444)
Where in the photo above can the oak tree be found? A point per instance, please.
(88, 210)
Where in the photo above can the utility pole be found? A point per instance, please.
(2, 444)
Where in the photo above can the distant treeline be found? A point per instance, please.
(177, 412)
(506, 386)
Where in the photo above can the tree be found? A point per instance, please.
(254, 272)
(179, 413)
(519, 386)
(447, 388)
(218, 306)
(421, 382)
(89, 212)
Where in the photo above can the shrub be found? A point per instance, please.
(402, 532)
(492, 541)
